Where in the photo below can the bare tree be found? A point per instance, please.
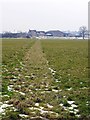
(83, 30)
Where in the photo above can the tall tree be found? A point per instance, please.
(83, 30)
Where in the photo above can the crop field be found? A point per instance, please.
(44, 80)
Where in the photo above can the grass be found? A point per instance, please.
(70, 61)
(45, 78)
(13, 51)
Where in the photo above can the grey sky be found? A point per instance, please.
(21, 15)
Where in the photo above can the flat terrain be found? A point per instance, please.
(44, 79)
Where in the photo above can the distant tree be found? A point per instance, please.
(83, 30)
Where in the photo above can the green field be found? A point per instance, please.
(44, 79)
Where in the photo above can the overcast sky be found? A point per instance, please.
(22, 15)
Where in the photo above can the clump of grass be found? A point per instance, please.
(11, 115)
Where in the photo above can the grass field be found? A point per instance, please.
(44, 79)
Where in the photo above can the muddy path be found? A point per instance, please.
(37, 64)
